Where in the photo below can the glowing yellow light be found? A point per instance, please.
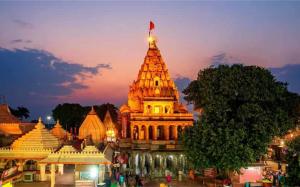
(150, 39)
(156, 110)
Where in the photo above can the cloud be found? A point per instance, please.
(23, 24)
(181, 82)
(289, 73)
(224, 58)
(33, 77)
(20, 41)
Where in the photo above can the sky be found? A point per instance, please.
(89, 52)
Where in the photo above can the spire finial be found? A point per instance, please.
(40, 124)
(92, 112)
(151, 39)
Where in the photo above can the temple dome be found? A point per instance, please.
(38, 138)
(59, 132)
(124, 109)
(92, 127)
(153, 80)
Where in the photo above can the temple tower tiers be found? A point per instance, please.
(92, 127)
(153, 110)
(38, 138)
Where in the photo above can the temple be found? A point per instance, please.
(59, 132)
(153, 119)
(92, 128)
(11, 125)
(44, 155)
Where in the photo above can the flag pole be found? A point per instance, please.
(149, 37)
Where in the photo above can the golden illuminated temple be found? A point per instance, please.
(153, 118)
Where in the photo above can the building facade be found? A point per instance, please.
(153, 120)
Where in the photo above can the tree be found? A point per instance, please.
(102, 109)
(69, 114)
(293, 162)
(73, 114)
(242, 109)
(21, 112)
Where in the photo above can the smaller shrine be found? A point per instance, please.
(110, 126)
(89, 164)
(59, 132)
(93, 128)
(97, 131)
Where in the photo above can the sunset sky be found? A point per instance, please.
(89, 52)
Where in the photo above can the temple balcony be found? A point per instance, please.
(161, 116)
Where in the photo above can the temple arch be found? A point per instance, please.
(171, 132)
(150, 131)
(10, 164)
(142, 133)
(30, 165)
(160, 132)
(135, 132)
(179, 130)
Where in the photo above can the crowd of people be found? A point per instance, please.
(277, 178)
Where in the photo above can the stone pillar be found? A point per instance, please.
(52, 175)
(140, 132)
(154, 132)
(43, 172)
(124, 126)
(61, 169)
(131, 132)
(175, 132)
(101, 173)
(147, 132)
(20, 166)
(166, 132)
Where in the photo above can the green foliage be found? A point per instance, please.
(69, 114)
(72, 115)
(21, 112)
(243, 108)
(293, 161)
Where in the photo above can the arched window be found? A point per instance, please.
(156, 81)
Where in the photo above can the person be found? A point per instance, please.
(140, 182)
(121, 179)
(275, 179)
(192, 175)
(114, 183)
(168, 178)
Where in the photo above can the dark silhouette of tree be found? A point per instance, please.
(293, 162)
(69, 114)
(20, 112)
(242, 109)
(72, 114)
